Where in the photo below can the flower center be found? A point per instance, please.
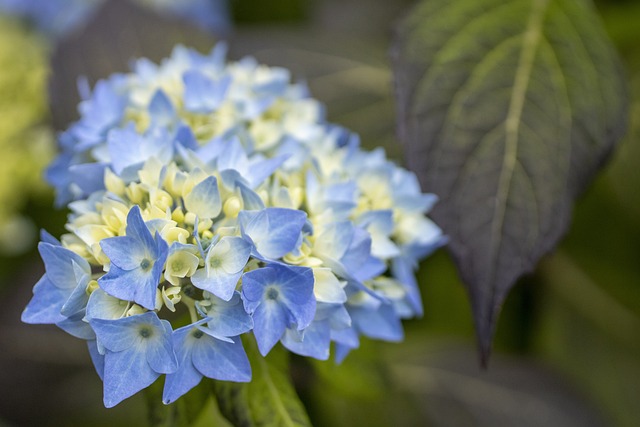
(272, 293)
(145, 264)
(197, 334)
(145, 332)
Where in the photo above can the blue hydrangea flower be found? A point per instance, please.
(278, 297)
(201, 354)
(136, 350)
(224, 202)
(137, 262)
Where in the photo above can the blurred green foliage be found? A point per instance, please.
(25, 140)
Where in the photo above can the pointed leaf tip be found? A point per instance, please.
(497, 107)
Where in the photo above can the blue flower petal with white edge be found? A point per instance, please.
(101, 305)
(223, 267)
(204, 199)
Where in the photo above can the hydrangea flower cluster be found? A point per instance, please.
(212, 200)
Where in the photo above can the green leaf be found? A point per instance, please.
(184, 412)
(268, 400)
(506, 109)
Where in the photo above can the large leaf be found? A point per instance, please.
(268, 400)
(506, 110)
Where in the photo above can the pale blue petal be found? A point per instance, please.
(221, 360)
(135, 285)
(334, 241)
(137, 229)
(103, 306)
(382, 323)
(204, 199)
(125, 252)
(187, 376)
(261, 170)
(96, 357)
(46, 237)
(403, 271)
(124, 148)
(202, 94)
(270, 321)
(228, 318)
(77, 327)
(88, 177)
(125, 374)
(237, 253)
(119, 334)
(161, 110)
(274, 231)
(218, 282)
(160, 353)
(46, 303)
(315, 340)
(58, 263)
(253, 286)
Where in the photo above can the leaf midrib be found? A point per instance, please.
(530, 43)
(275, 395)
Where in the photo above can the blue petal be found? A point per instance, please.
(46, 303)
(228, 318)
(382, 323)
(78, 298)
(204, 199)
(137, 229)
(125, 252)
(221, 360)
(160, 354)
(116, 335)
(219, 283)
(103, 306)
(96, 357)
(270, 321)
(161, 109)
(58, 262)
(202, 94)
(403, 271)
(135, 285)
(187, 376)
(274, 231)
(315, 340)
(46, 237)
(88, 177)
(125, 374)
(77, 327)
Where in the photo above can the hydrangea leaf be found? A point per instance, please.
(506, 111)
(268, 400)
